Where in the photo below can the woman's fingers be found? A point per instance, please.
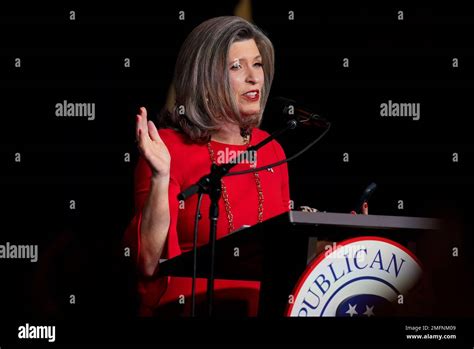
(365, 208)
(141, 120)
(150, 145)
(142, 129)
(143, 112)
(146, 127)
(137, 126)
(140, 140)
(153, 132)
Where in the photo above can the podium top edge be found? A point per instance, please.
(364, 221)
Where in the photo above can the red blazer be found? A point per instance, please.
(189, 162)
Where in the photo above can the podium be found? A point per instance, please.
(276, 252)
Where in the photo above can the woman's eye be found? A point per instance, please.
(237, 65)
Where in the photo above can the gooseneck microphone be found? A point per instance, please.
(290, 109)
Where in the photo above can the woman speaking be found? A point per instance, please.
(222, 79)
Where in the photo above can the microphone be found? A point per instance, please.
(367, 193)
(290, 109)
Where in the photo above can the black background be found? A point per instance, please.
(75, 159)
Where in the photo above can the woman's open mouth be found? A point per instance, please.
(252, 96)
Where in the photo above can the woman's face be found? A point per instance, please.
(246, 75)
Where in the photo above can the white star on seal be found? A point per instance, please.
(352, 310)
(369, 311)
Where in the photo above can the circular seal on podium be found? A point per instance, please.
(360, 277)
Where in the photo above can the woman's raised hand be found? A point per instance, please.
(151, 146)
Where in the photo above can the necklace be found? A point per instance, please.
(225, 196)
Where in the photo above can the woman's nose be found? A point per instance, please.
(251, 77)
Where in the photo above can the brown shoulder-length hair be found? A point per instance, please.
(204, 98)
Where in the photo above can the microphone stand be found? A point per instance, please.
(210, 184)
